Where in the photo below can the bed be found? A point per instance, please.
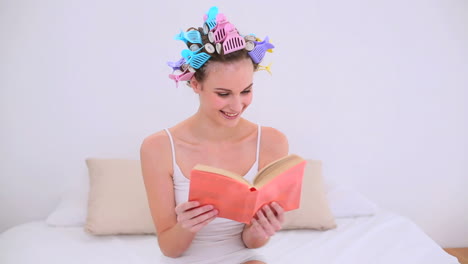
(362, 232)
(382, 238)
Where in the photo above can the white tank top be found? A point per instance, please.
(221, 234)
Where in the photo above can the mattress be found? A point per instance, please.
(382, 238)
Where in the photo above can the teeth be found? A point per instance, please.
(229, 114)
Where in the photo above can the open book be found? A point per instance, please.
(236, 198)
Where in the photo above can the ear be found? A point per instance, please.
(196, 85)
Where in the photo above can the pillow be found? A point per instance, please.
(118, 204)
(71, 210)
(343, 201)
(117, 201)
(314, 211)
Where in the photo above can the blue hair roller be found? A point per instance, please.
(194, 58)
(210, 19)
(192, 36)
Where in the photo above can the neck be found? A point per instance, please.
(207, 130)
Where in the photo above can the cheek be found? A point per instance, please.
(248, 99)
(217, 102)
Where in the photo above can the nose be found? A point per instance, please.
(236, 104)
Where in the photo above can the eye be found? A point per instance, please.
(246, 91)
(223, 94)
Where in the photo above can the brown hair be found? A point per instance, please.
(200, 74)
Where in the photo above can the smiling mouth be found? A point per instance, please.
(229, 115)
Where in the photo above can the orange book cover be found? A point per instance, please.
(237, 199)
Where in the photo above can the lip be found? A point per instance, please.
(229, 117)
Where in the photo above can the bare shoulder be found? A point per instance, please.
(274, 140)
(158, 139)
(156, 149)
(273, 145)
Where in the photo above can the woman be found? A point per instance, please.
(216, 135)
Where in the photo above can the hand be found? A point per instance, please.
(268, 220)
(193, 217)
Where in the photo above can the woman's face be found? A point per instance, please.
(226, 91)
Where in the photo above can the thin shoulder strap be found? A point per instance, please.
(259, 133)
(172, 147)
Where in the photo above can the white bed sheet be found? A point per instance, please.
(382, 238)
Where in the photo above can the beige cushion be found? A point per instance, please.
(314, 211)
(117, 202)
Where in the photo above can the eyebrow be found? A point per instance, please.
(227, 90)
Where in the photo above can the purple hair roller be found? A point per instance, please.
(176, 64)
(258, 52)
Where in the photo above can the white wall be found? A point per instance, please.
(375, 89)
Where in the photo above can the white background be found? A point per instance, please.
(377, 90)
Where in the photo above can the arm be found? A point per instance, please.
(268, 220)
(175, 226)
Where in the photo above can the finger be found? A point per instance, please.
(268, 212)
(272, 218)
(188, 224)
(192, 213)
(186, 206)
(265, 224)
(197, 227)
(257, 229)
(199, 211)
(203, 217)
(279, 212)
